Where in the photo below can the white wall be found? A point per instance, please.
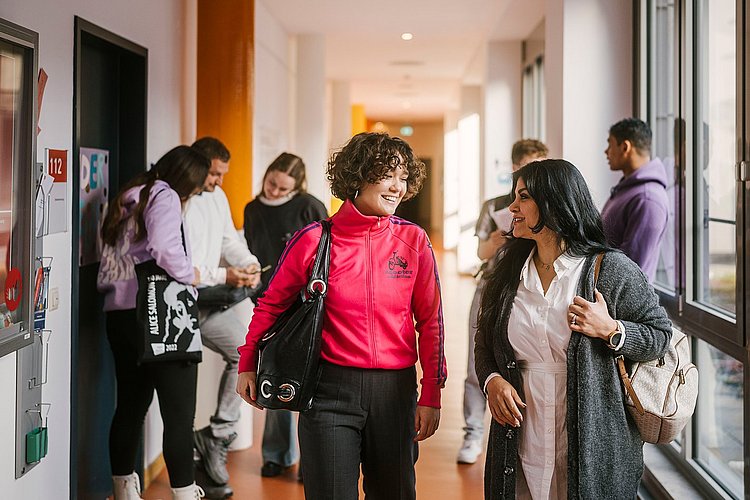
(273, 74)
(312, 113)
(341, 114)
(502, 114)
(470, 156)
(157, 26)
(589, 85)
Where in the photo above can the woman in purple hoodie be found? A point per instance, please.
(144, 222)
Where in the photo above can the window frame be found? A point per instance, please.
(695, 319)
(20, 333)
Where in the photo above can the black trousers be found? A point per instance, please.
(175, 384)
(360, 417)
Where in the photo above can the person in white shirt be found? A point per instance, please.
(223, 258)
(494, 221)
(549, 329)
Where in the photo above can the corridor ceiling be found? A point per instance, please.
(415, 80)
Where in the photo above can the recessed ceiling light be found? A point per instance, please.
(406, 36)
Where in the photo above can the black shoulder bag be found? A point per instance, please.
(225, 296)
(288, 368)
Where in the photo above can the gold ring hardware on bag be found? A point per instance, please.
(286, 393)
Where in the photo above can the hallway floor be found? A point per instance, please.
(438, 475)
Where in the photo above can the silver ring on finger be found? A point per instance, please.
(573, 320)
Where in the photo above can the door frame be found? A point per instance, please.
(81, 28)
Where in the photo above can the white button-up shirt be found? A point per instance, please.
(208, 221)
(539, 333)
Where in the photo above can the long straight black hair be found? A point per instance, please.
(183, 168)
(565, 208)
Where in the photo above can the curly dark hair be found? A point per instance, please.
(368, 157)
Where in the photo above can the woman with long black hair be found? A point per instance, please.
(144, 222)
(546, 343)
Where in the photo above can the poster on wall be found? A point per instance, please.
(93, 202)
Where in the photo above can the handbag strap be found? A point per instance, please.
(628, 384)
(318, 283)
(620, 359)
(597, 266)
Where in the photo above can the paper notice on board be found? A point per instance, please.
(42, 192)
(94, 172)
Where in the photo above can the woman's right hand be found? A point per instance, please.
(246, 388)
(504, 402)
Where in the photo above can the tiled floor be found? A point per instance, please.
(438, 475)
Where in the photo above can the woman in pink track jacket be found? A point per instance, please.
(382, 313)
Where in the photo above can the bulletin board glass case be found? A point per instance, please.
(18, 68)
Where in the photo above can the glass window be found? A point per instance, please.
(690, 93)
(719, 446)
(711, 177)
(15, 189)
(662, 106)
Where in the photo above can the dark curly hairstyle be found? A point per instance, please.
(368, 157)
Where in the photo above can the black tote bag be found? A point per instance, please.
(167, 314)
(289, 363)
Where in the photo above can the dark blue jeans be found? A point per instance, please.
(360, 417)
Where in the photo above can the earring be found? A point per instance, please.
(356, 193)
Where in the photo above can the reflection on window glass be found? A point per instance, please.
(719, 276)
(12, 213)
(715, 138)
(719, 414)
(534, 100)
(662, 116)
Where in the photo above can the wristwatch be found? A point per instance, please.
(617, 338)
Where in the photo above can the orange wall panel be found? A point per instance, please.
(225, 90)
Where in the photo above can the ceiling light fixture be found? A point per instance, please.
(406, 36)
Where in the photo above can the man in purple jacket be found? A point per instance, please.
(636, 213)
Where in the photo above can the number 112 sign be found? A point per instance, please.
(56, 216)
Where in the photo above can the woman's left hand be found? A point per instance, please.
(426, 422)
(591, 318)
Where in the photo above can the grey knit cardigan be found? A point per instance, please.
(605, 451)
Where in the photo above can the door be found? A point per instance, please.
(110, 114)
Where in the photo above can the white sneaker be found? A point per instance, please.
(127, 487)
(469, 452)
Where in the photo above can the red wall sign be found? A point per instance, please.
(57, 164)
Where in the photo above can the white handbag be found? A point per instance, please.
(661, 394)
